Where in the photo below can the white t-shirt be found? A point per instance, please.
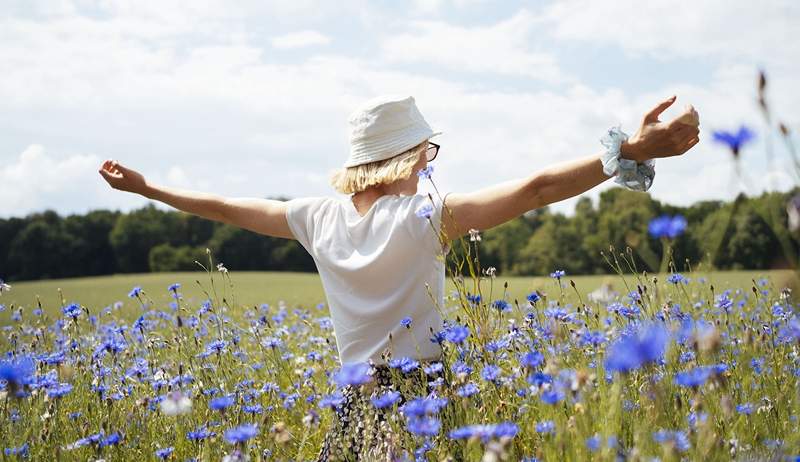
(374, 270)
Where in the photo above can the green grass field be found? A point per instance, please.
(257, 287)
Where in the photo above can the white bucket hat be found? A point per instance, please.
(384, 127)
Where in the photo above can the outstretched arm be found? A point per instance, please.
(263, 216)
(494, 205)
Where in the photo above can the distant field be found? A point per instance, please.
(256, 287)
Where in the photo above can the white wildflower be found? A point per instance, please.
(474, 235)
(176, 403)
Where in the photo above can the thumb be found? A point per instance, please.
(652, 116)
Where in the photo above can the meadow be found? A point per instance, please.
(222, 365)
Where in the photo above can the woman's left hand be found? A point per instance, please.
(656, 139)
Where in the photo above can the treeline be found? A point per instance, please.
(748, 233)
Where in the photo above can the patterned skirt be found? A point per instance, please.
(362, 432)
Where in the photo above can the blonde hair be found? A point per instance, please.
(351, 180)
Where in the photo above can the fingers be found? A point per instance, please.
(653, 114)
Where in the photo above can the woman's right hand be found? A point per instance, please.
(121, 177)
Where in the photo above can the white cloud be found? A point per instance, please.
(36, 180)
(501, 48)
(300, 39)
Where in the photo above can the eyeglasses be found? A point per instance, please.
(433, 149)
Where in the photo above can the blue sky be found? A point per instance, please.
(251, 98)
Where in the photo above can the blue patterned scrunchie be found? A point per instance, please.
(629, 173)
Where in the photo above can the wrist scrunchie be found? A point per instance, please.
(629, 173)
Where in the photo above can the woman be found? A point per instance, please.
(379, 253)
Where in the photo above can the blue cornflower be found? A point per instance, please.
(200, 434)
(531, 359)
(385, 400)
(110, 440)
(419, 407)
(467, 390)
(693, 378)
(17, 372)
(135, 292)
(21, 451)
(73, 310)
(406, 322)
(552, 396)
(546, 426)
(221, 402)
(426, 172)
(533, 297)
(745, 408)
(241, 433)
(60, 390)
(593, 443)
(405, 364)
(490, 373)
(593, 338)
(424, 426)
(734, 141)
(174, 287)
(677, 278)
(164, 453)
(433, 368)
(501, 306)
(353, 374)
(485, 432)
(678, 438)
(425, 211)
(557, 274)
(456, 334)
(474, 299)
(333, 401)
(637, 349)
(667, 226)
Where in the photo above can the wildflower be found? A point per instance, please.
(546, 426)
(353, 374)
(385, 400)
(501, 306)
(635, 350)
(174, 287)
(485, 432)
(531, 359)
(241, 433)
(533, 297)
(59, 391)
(333, 401)
(456, 334)
(557, 274)
(175, 403)
(425, 211)
(490, 373)
(433, 368)
(405, 364)
(593, 443)
(424, 426)
(677, 438)
(73, 310)
(4, 287)
(135, 292)
(490, 271)
(677, 278)
(199, 434)
(17, 372)
(745, 409)
(467, 390)
(21, 451)
(164, 453)
(406, 322)
(474, 235)
(693, 378)
(667, 226)
(420, 407)
(426, 172)
(552, 396)
(221, 268)
(222, 402)
(734, 141)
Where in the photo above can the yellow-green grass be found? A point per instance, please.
(256, 287)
